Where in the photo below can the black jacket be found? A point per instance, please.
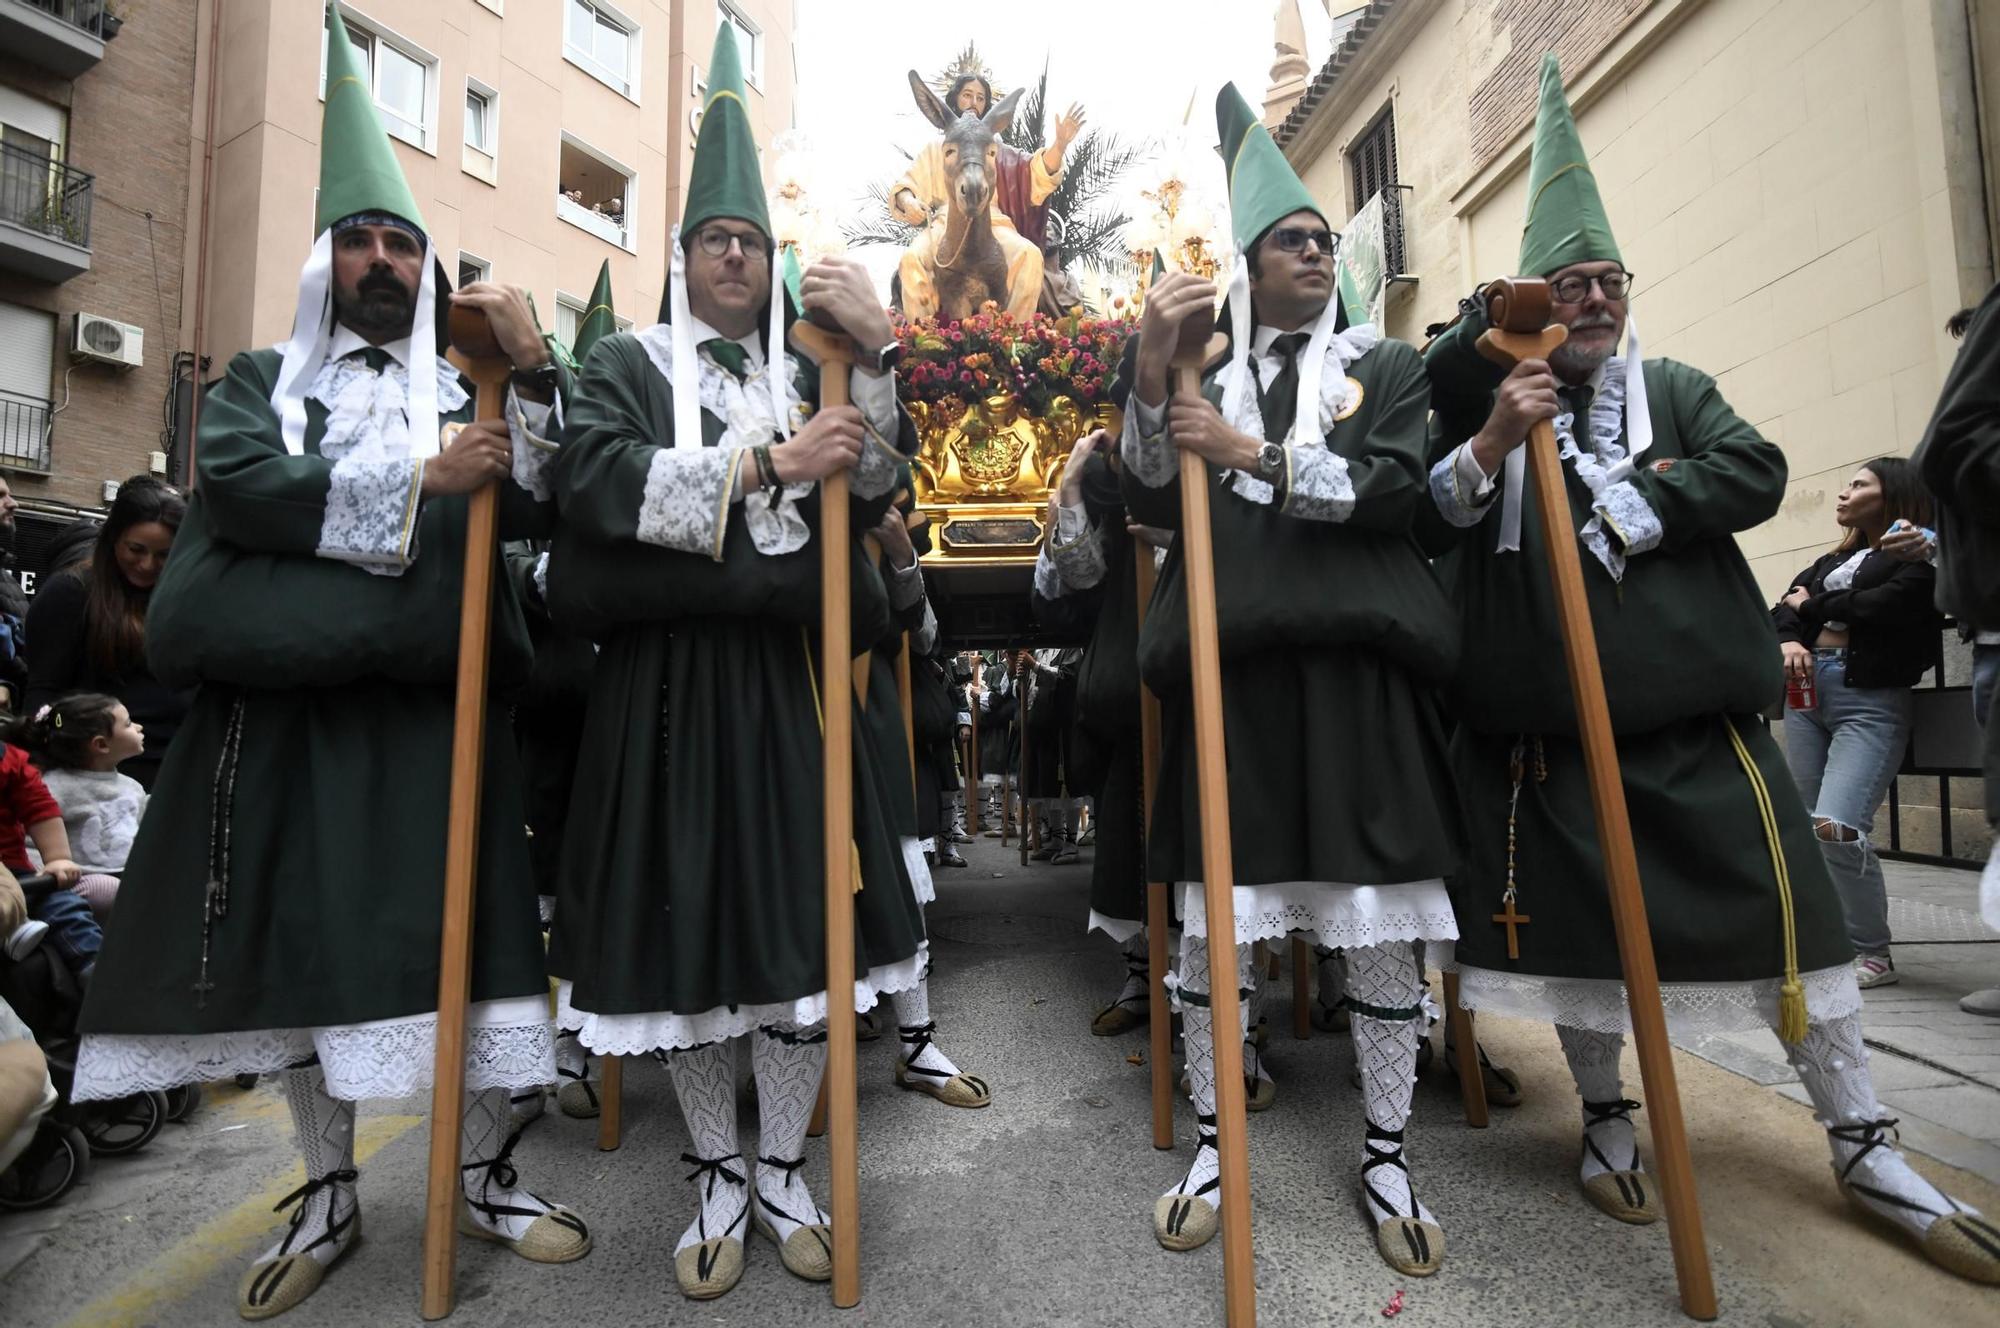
(1959, 458)
(1890, 612)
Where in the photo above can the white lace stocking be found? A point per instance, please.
(1191, 986)
(486, 1148)
(915, 1030)
(1330, 973)
(1385, 993)
(705, 1082)
(324, 1128)
(572, 1061)
(1832, 1063)
(788, 1067)
(1610, 1143)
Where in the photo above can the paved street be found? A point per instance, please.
(1038, 1210)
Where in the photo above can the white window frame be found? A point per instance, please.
(482, 163)
(624, 233)
(427, 130)
(497, 6)
(753, 59)
(466, 258)
(627, 86)
(579, 305)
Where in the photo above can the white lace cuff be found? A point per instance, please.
(541, 575)
(1076, 550)
(529, 426)
(1461, 490)
(1317, 487)
(1144, 447)
(880, 463)
(906, 584)
(772, 516)
(686, 502)
(371, 514)
(874, 396)
(1048, 581)
(1631, 518)
(924, 639)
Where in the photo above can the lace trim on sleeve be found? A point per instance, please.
(1448, 491)
(1144, 448)
(1319, 487)
(528, 425)
(1079, 562)
(880, 464)
(371, 514)
(686, 502)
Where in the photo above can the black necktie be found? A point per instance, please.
(1284, 385)
(373, 356)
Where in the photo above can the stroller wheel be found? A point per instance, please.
(246, 1082)
(126, 1125)
(182, 1101)
(53, 1165)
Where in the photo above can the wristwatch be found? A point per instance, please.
(1270, 461)
(881, 360)
(547, 378)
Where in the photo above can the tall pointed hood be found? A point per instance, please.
(726, 180)
(359, 179)
(599, 320)
(1566, 220)
(1264, 190)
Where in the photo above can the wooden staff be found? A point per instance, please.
(972, 747)
(909, 708)
(1465, 1050)
(1024, 678)
(835, 355)
(1159, 1028)
(1218, 866)
(610, 1103)
(476, 354)
(1519, 312)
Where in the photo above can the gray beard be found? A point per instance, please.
(1571, 362)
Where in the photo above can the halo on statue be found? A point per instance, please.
(967, 65)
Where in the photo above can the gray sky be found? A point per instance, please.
(1132, 64)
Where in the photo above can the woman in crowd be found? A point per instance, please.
(1858, 628)
(88, 625)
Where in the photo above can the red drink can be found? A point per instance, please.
(1802, 693)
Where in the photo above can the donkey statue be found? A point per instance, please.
(950, 275)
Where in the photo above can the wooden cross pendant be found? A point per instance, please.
(1512, 920)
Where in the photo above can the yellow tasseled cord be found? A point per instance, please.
(1792, 994)
(819, 715)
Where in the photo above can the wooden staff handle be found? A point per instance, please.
(972, 809)
(1159, 1029)
(1519, 310)
(907, 701)
(474, 353)
(1022, 683)
(1218, 866)
(835, 355)
(610, 1103)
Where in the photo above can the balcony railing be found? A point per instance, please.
(602, 225)
(65, 37)
(1397, 268)
(45, 196)
(24, 431)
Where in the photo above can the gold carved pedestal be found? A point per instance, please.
(984, 476)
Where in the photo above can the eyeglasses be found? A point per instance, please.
(1292, 239)
(714, 242)
(1575, 288)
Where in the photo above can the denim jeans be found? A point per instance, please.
(1843, 756)
(73, 928)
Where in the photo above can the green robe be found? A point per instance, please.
(341, 788)
(1687, 650)
(694, 878)
(1332, 634)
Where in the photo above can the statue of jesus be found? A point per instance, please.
(1020, 212)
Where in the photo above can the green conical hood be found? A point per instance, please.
(1263, 187)
(1566, 218)
(598, 320)
(358, 171)
(726, 180)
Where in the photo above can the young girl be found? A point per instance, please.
(79, 743)
(29, 811)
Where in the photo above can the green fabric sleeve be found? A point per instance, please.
(609, 442)
(259, 497)
(1730, 479)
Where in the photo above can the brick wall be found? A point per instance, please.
(1503, 100)
(129, 121)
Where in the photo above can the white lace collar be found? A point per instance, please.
(1336, 393)
(367, 413)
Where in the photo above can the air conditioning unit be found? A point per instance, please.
(108, 341)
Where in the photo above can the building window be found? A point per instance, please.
(603, 43)
(749, 41)
(402, 77)
(481, 154)
(27, 354)
(1371, 160)
(570, 311)
(471, 268)
(595, 193)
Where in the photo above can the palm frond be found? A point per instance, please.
(875, 224)
(1025, 132)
